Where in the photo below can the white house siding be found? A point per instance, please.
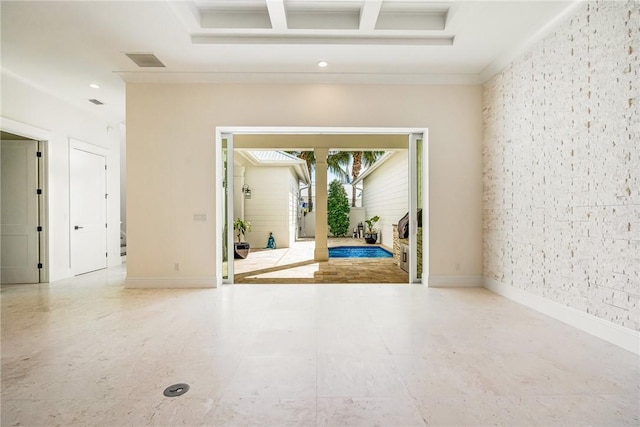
(386, 194)
(268, 208)
(293, 205)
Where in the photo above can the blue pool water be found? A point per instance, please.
(359, 252)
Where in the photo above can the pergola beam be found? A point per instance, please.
(369, 14)
(277, 14)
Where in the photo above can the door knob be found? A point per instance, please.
(77, 227)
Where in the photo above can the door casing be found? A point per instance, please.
(413, 134)
(43, 137)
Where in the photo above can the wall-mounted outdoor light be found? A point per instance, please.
(247, 191)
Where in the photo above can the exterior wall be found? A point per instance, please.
(268, 208)
(562, 166)
(293, 204)
(238, 195)
(386, 194)
(167, 182)
(33, 107)
(356, 216)
(308, 225)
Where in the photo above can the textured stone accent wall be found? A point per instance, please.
(396, 245)
(397, 241)
(562, 166)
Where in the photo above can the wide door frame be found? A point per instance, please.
(43, 137)
(413, 134)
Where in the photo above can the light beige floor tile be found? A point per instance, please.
(416, 341)
(278, 376)
(85, 352)
(351, 341)
(448, 374)
(292, 342)
(337, 412)
(160, 411)
(265, 412)
(358, 376)
(476, 410)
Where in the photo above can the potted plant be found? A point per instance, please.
(241, 249)
(371, 235)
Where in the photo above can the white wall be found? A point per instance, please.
(386, 194)
(356, 216)
(268, 208)
(171, 162)
(309, 224)
(123, 180)
(562, 168)
(293, 204)
(60, 121)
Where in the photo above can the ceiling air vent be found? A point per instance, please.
(96, 102)
(145, 60)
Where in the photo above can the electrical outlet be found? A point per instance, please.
(457, 266)
(176, 266)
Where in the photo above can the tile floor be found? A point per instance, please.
(296, 265)
(86, 352)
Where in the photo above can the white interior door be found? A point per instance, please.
(20, 248)
(88, 211)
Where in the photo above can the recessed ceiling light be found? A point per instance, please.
(322, 64)
(94, 86)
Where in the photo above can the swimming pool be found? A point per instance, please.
(359, 252)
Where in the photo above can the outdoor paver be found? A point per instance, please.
(295, 265)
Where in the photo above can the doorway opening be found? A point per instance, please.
(320, 141)
(24, 221)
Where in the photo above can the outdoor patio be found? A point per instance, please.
(295, 265)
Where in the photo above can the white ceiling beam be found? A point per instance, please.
(277, 14)
(318, 39)
(369, 14)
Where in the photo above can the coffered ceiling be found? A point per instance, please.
(63, 46)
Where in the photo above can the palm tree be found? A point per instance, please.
(337, 162)
(360, 159)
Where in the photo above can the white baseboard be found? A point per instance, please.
(169, 282)
(615, 334)
(455, 281)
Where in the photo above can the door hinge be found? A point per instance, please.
(105, 225)
(39, 265)
(39, 228)
(38, 153)
(39, 191)
(105, 167)
(106, 254)
(105, 195)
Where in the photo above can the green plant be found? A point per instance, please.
(337, 209)
(371, 222)
(242, 227)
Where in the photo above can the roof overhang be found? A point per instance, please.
(265, 158)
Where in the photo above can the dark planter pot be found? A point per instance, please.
(241, 250)
(371, 237)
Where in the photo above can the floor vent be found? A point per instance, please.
(176, 390)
